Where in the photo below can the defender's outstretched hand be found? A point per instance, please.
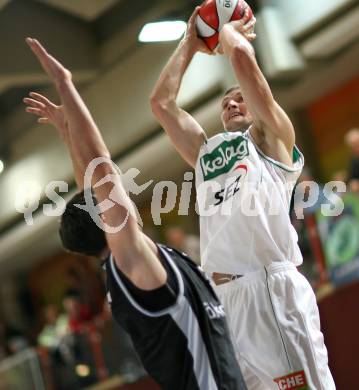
(55, 70)
(48, 112)
(76, 112)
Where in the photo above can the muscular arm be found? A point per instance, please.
(184, 131)
(131, 251)
(273, 129)
(79, 178)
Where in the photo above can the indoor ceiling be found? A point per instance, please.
(77, 31)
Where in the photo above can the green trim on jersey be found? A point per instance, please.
(297, 155)
(222, 159)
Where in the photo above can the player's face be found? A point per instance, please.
(235, 115)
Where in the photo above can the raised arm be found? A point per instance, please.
(132, 251)
(273, 130)
(184, 131)
(50, 113)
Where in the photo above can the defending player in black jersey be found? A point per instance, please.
(157, 294)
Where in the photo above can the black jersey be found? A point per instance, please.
(179, 330)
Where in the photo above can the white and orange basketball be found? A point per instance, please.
(213, 14)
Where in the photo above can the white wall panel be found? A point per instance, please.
(301, 15)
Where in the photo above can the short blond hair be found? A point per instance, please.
(229, 90)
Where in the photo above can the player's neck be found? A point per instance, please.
(242, 129)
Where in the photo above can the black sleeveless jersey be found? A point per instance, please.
(179, 330)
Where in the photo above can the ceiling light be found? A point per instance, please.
(162, 31)
(1, 166)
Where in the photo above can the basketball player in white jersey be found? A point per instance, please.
(244, 178)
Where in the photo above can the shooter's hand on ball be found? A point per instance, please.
(245, 28)
(48, 112)
(191, 37)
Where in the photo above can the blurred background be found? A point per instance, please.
(55, 328)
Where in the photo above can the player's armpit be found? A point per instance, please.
(272, 147)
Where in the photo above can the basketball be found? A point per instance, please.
(213, 14)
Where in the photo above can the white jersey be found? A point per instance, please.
(244, 198)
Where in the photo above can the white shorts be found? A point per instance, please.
(274, 319)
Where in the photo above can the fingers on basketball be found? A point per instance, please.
(192, 19)
(251, 37)
(249, 27)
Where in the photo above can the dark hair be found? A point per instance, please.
(231, 89)
(78, 232)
